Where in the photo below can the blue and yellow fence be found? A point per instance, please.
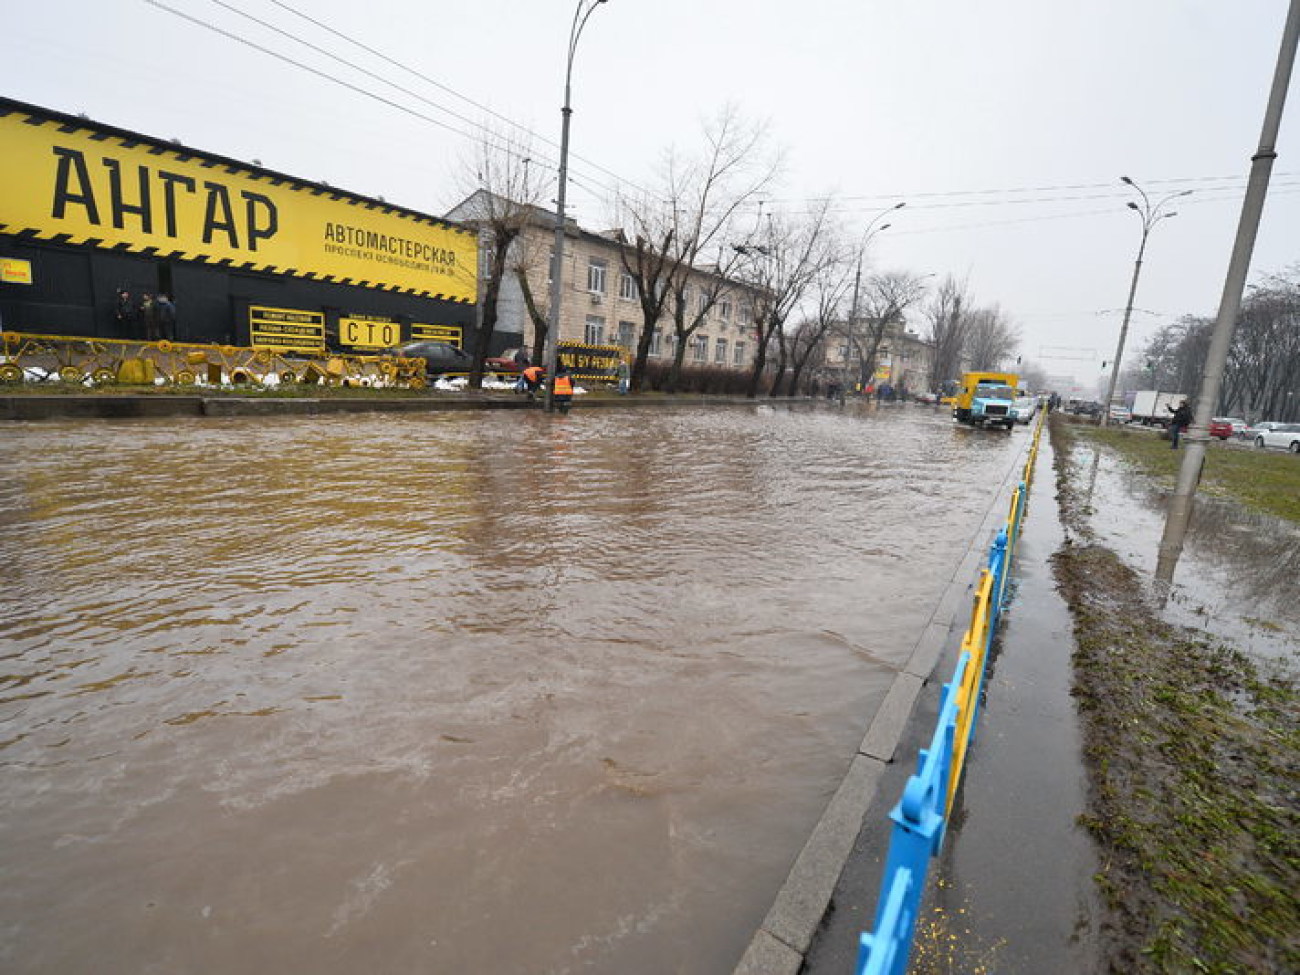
(921, 816)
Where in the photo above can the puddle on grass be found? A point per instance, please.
(1239, 574)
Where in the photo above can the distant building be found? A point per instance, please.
(600, 305)
(903, 359)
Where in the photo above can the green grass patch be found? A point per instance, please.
(1265, 481)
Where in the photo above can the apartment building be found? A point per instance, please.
(600, 304)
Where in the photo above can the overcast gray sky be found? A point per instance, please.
(1004, 124)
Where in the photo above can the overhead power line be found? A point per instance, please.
(479, 132)
(449, 90)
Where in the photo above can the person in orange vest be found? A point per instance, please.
(562, 395)
(532, 379)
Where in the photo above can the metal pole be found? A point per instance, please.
(557, 258)
(1252, 207)
(1123, 329)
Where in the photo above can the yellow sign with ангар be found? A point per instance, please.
(78, 184)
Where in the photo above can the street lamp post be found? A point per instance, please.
(583, 10)
(867, 234)
(1150, 215)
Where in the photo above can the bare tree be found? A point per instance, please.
(991, 338)
(829, 293)
(780, 267)
(945, 315)
(502, 205)
(695, 218)
(882, 301)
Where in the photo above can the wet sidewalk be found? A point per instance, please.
(1012, 890)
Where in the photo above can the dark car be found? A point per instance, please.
(439, 357)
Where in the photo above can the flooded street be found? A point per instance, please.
(500, 692)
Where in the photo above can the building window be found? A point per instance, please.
(596, 276)
(720, 352)
(702, 304)
(700, 348)
(724, 308)
(626, 334)
(627, 287)
(738, 354)
(656, 342)
(595, 334)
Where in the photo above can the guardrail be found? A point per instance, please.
(921, 816)
(70, 359)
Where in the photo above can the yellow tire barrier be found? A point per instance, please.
(75, 359)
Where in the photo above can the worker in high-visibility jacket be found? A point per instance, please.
(532, 379)
(562, 394)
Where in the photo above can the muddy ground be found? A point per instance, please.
(1193, 754)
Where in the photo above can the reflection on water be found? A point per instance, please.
(1237, 575)
(447, 692)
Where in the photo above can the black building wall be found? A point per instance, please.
(74, 293)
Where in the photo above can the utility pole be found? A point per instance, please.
(580, 14)
(1252, 208)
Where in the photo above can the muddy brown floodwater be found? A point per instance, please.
(448, 693)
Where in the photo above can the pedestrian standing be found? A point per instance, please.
(1179, 422)
(624, 376)
(149, 314)
(166, 312)
(124, 314)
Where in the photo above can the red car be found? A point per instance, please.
(505, 362)
(1224, 427)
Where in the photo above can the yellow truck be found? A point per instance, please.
(987, 399)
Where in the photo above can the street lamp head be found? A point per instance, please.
(1125, 179)
(883, 226)
(1132, 205)
(899, 206)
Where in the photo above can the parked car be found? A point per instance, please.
(1224, 427)
(1284, 436)
(1251, 432)
(439, 357)
(1024, 408)
(507, 361)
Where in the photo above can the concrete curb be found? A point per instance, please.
(784, 937)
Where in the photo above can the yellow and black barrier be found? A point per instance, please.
(69, 359)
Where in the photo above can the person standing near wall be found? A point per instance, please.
(124, 314)
(149, 313)
(166, 312)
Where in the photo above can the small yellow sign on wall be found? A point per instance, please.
(15, 271)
